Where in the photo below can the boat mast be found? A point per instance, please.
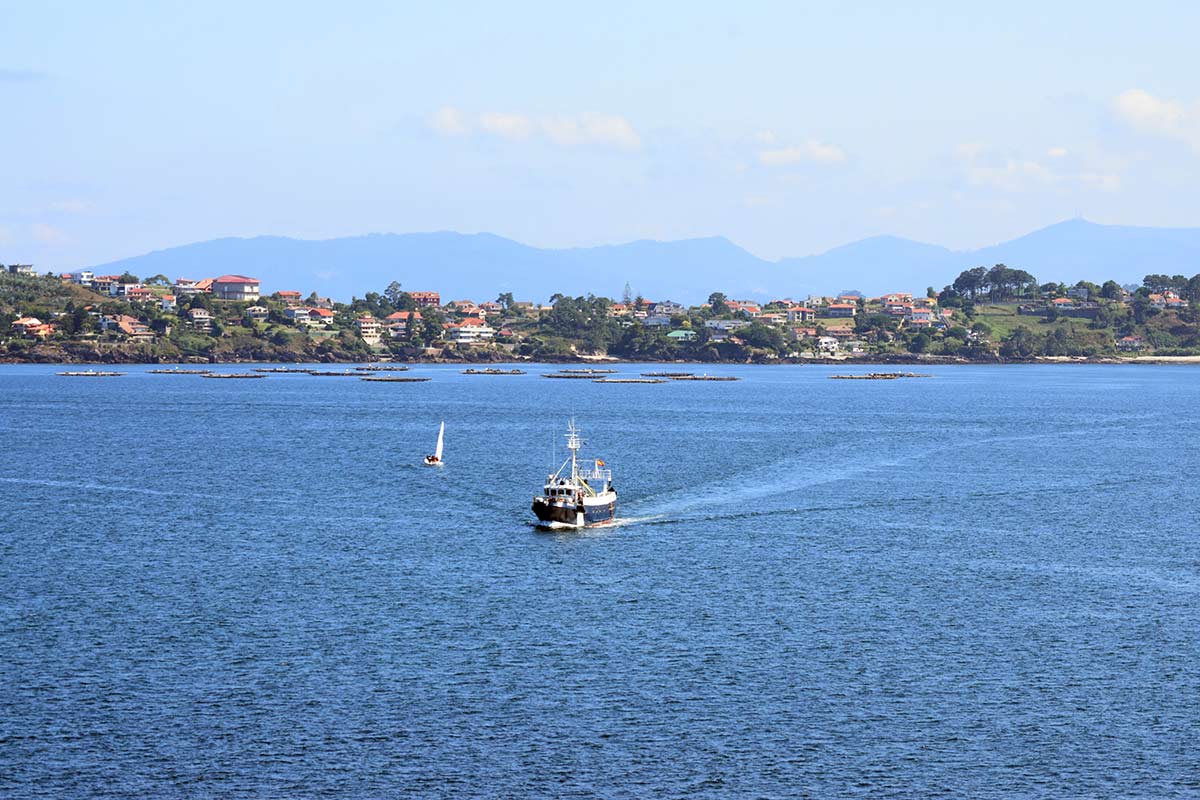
(573, 445)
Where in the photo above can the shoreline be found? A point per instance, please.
(890, 360)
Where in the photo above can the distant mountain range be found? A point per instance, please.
(480, 266)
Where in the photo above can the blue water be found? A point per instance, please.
(983, 584)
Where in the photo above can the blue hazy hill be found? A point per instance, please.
(480, 266)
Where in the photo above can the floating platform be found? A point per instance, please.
(569, 376)
(317, 373)
(392, 379)
(91, 373)
(493, 371)
(878, 376)
(382, 368)
(588, 371)
(179, 371)
(233, 375)
(282, 370)
(669, 374)
(628, 380)
(705, 378)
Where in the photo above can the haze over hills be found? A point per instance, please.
(480, 266)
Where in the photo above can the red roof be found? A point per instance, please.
(403, 316)
(234, 279)
(320, 312)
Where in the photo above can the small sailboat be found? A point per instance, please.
(435, 460)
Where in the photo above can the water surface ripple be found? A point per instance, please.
(984, 584)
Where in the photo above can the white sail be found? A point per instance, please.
(441, 436)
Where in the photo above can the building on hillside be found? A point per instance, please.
(235, 287)
(827, 345)
(138, 294)
(83, 277)
(725, 325)
(748, 307)
(368, 328)
(257, 313)
(320, 316)
(895, 298)
(426, 299)
(468, 307)
(841, 309)
(21, 269)
(1130, 343)
(401, 324)
(489, 308)
(200, 319)
(657, 321)
(469, 331)
(103, 284)
(682, 335)
(134, 328)
(667, 308)
(186, 287)
(297, 314)
(167, 303)
(32, 326)
(801, 314)
(289, 297)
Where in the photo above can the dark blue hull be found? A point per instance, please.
(575, 515)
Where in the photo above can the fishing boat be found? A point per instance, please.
(435, 460)
(575, 497)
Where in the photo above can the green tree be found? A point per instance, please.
(718, 303)
(393, 292)
(506, 299)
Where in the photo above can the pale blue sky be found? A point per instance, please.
(788, 127)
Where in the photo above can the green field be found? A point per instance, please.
(1003, 319)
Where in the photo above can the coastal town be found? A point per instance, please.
(987, 314)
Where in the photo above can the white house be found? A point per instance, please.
(235, 287)
(368, 328)
(470, 330)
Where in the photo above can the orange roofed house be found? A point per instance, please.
(400, 323)
(32, 326)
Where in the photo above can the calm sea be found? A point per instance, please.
(981, 584)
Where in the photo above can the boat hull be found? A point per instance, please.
(560, 513)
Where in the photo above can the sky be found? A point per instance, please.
(789, 128)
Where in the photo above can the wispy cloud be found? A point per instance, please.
(1153, 115)
(1017, 174)
(20, 75)
(588, 128)
(812, 151)
(46, 234)
(71, 206)
(449, 122)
